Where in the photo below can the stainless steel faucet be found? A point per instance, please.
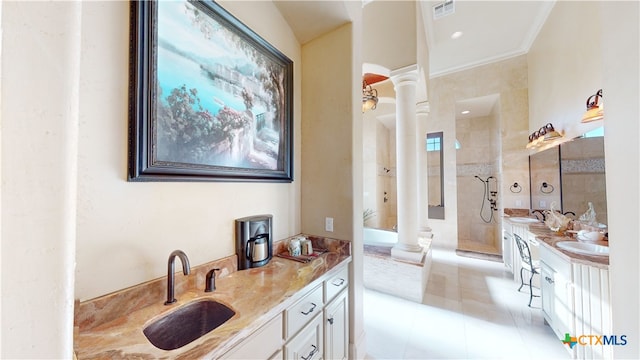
(171, 276)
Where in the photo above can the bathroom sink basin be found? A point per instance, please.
(524, 220)
(584, 248)
(187, 324)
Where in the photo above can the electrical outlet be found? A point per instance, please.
(328, 224)
(518, 203)
(543, 204)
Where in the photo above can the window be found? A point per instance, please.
(434, 143)
(435, 174)
(597, 132)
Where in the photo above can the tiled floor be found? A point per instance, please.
(471, 310)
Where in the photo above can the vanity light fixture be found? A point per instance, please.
(369, 97)
(551, 133)
(595, 108)
(546, 133)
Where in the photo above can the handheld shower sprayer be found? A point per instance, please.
(490, 194)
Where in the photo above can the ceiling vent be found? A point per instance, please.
(443, 9)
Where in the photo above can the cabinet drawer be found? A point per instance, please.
(308, 344)
(263, 344)
(336, 283)
(555, 262)
(303, 311)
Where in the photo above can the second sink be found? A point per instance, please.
(584, 248)
(524, 220)
(187, 324)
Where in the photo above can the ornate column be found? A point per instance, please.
(422, 112)
(407, 247)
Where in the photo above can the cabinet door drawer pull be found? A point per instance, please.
(549, 280)
(335, 283)
(313, 307)
(315, 350)
(330, 320)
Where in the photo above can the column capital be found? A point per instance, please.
(406, 74)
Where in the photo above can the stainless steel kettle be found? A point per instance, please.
(258, 248)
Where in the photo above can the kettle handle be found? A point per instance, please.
(249, 251)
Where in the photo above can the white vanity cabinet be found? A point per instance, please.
(315, 326)
(575, 301)
(508, 243)
(301, 313)
(265, 343)
(309, 343)
(556, 292)
(592, 310)
(327, 335)
(336, 316)
(336, 328)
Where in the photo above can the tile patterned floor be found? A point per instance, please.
(472, 310)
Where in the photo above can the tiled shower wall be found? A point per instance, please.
(379, 174)
(478, 154)
(507, 79)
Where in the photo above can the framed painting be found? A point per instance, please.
(209, 99)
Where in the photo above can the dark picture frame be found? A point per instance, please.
(209, 99)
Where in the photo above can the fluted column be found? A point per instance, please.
(404, 81)
(422, 112)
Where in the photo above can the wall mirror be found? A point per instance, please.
(574, 173)
(582, 170)
(435, 175)
(544, 179)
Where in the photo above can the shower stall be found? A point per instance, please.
(478, 183)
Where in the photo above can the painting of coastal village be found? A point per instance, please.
(220, 99)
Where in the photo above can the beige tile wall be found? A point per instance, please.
(379, 173)
(508, 79)
(479, 139)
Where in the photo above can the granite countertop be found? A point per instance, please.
(256, 295)
(550, 238)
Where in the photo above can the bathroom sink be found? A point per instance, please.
(584, 248)
(524, 220)
(187, 324)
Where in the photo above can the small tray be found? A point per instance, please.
(303, 258)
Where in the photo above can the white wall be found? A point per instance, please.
(565, 67)
(332, 154)
(399, 48)
(127, 230)
(64, 145)
(40, 72)
(327, 134)
(621, 80)
(598, 47)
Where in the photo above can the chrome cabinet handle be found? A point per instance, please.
(549, 280)
(330, 320)
(315, 350)
(338, 284)
(313, 306)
